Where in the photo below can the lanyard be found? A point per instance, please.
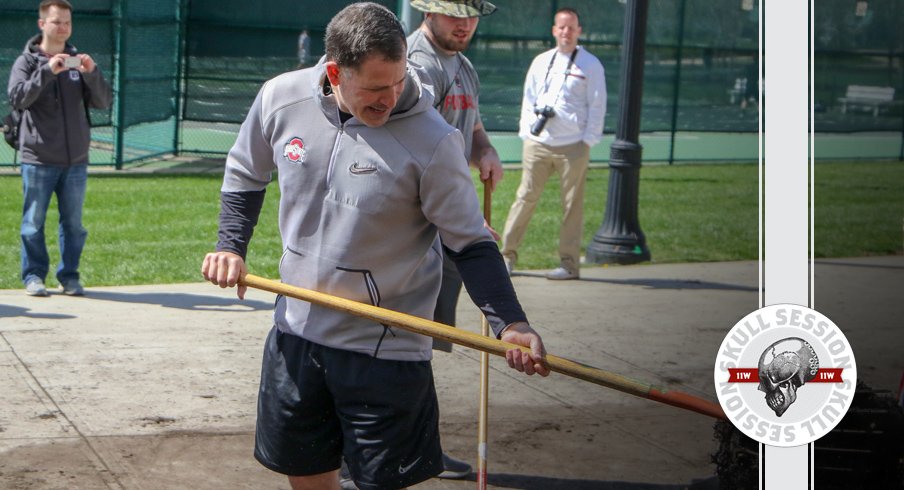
(574, 55)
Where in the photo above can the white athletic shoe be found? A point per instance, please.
(36, 287)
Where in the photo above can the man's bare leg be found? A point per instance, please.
(322, 481)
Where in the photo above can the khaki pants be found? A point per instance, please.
(540, 161)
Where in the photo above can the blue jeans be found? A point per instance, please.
(39, 182)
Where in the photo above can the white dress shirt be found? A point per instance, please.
(578, 95)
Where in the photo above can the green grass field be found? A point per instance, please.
(146, 229)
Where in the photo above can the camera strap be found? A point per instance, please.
(574, 54)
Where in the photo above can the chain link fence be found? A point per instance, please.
(185, 72)
(136, 45)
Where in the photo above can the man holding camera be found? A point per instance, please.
(562, 116)
(53, 85)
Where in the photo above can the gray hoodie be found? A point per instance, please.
(360, 207)
(55, 129)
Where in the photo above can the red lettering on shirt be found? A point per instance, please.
(459, 102)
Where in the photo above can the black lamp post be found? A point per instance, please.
(619, 239)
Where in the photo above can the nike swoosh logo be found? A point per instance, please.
(404, 469)
(357, 169)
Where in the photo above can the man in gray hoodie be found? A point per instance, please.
(53, 85)
(370, 179)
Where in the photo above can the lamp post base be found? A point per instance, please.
(617, 250)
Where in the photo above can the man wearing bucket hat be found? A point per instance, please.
(437, 45)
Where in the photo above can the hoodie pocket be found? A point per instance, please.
(301, 269)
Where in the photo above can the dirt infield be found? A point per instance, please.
(150, 387)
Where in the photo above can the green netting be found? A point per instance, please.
(151, 92)
(15, 29)
(185, 73)
(232, 47)
(858, 49)
(147, 106)
(285, 13)
(692, 64)
(229, 56)
(136, 44)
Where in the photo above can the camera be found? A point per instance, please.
(72, 62)
(543, 115)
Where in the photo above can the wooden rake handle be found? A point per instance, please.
(486, 344)
(483, 410)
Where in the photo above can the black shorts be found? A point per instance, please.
(317, 404)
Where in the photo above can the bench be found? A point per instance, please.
(867, 97)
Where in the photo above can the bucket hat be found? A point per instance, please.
(455, 8)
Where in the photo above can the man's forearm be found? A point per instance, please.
(480, 145)
(239, 212)
(487, 282)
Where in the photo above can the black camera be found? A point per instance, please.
(543, 115)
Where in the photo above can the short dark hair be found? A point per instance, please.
(568, 10)
(46, 4)
(361, 30)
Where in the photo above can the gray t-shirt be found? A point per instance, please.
(454, 81)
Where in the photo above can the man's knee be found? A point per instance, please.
(322, 481)
(529, 194)
(29, 230)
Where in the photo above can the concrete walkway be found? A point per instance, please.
(154, 387)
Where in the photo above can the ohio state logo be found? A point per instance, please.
(785, 375)
(294, 150)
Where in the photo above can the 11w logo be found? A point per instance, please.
(752, 375)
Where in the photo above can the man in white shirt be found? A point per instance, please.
(562, 116)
